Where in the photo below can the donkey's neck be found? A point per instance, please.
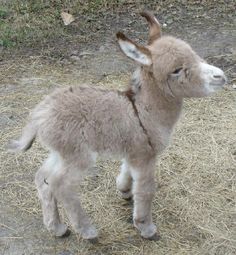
(160, 106)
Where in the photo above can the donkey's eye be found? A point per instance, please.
(177, 71)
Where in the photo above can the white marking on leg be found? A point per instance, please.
(124, 179)
(53, 162)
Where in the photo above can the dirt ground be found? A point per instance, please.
(194, 207)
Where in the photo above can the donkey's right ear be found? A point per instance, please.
(138, 53)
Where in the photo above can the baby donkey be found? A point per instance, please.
(78, 123)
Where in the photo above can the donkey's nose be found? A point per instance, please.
(213, 74)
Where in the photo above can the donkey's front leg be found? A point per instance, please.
(143, 193)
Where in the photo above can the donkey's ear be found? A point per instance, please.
(138, 53)
(155, 27)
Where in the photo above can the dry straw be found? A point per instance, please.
(195, 203)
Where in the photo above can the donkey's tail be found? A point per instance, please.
(25, 142)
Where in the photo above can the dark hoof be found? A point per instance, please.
(66, 234)
(93, 240)
(130, 199)
(127, 203)
(155, 237)
(127, 195)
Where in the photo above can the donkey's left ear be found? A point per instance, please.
(138, 53)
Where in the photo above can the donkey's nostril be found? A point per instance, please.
(218, 77)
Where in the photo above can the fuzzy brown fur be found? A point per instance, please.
(76, 124)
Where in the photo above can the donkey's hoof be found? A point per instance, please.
(66, 234)
(155, 237)
(89, 233)
(60, 230)
(127, 195)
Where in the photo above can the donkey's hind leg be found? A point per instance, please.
(63, 183)
(49, 203)
(124, 181)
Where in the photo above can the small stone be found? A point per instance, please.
(65, 253)
(102, 48)
(86, 53)
(234, 86)
(76, 58)
(74, 52)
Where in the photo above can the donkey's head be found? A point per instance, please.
(173, 64)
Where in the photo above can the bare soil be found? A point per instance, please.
(195, 203)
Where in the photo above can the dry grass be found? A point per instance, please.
(195, 203)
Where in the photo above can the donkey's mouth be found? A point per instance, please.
(216, 87)
(218, 83)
